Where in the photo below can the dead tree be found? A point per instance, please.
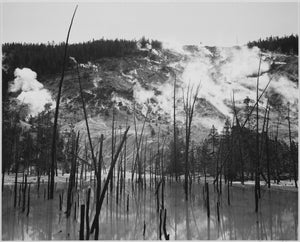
(100, 159)
(174, 131)
(72, 176)
(138, 141)
(239, 134)
(257, 180)
(109, 177)
(112, 144)
(85, 118)
(267, 148)
(188, 104)
(276, 151)
(293, 160)
(53, 148)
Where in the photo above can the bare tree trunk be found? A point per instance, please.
(72, 177)
(217, 167)
(267, 150)
(87, 215)
(174, 132)
(145, 158)
(86, 120)
(96, 219)
(229, 169)
(3, 174)
(109, 177)
(242, 159)
(137, 145)
(276, 152)
(291, 149)
(245, 122)
(53, 149)
(125, 156)
(24, 194)
(81, 230)
(257, 185)
(112, 144)
(189, 105)
(16, 169)
(239, 134)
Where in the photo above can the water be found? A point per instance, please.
(277, 218)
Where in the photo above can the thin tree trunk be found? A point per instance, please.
(267, 150)
(81, 231)
(291, 149)
(167, 236)
(96, 219)
(189, 105)
(174, 132)
(112, 144)
(276, 153)
(24, 194)
(16, 170)
(86, 121)
(28, 201)
(257, 185)
(72, 176)
(109, 177)
(87, 215)
(138, 144)
(53, 148)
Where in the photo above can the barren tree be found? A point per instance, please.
(189, 100)
(293, 160)
(257, 185)
(174, 130)
(53, 150)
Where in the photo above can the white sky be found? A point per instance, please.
(221, 24)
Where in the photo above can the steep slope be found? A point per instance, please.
(147, 82)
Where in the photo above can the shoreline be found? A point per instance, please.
(285, 185)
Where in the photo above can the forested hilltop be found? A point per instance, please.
(286, 45)
(47, 59)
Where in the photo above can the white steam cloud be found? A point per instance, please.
(32, 93)
(140, 94)
(220, 71)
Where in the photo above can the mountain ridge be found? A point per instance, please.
(146, 82)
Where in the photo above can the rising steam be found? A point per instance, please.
(32, 93)
(219, 71)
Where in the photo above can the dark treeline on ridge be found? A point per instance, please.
(285, 45)
(47, 58)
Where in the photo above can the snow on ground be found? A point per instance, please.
(10, 179)
(285, 185)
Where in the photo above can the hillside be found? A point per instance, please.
(141, 83)
(148, 81)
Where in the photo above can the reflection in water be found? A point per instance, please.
(277, 219)
(208, 228)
